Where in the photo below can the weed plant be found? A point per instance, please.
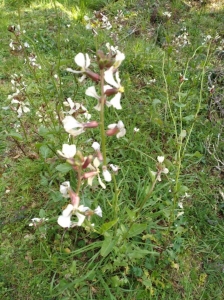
(111, 150)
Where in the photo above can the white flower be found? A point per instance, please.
(98, 211)
(95, 172)
(109, 78)
(68, 151)
(167, 14)
(71, 125)
(114, 168)
(117, 129)
(136, 129)
(23, 107)
(65, 219)
(180, 213)
(74, 107)
(37, 220)
(160, 159)
(26, 45)
(106, 174)
(96, 146)
(91, 91)
(83, 61)
(64, 189)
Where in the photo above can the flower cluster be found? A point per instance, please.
(18, 97)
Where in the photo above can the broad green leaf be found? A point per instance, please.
(106, 226)
(179, 104)
(136, 229)
(64, 168)
(107, 247)
(16, 136)
(44, 151)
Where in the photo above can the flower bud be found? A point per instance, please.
(74, 198)
(110, 92)
(92, 124)
(87, 161)
(112, 131)
(92, 75)
(89, 174)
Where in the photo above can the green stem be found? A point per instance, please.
(102, 129)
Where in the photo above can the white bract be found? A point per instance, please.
(68, 151)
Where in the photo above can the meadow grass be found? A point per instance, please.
(140, 249)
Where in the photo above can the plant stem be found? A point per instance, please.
(102, 130)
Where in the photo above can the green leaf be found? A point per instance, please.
(64, 168)
(107, 246)
(44, 151)
(42, 213)
(106, 226)
(136, 229)
(140, 253)
(179, 104)
(17, 136)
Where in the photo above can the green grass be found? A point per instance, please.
(160, 256)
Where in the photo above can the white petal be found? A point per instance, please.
(96, 162)
(109, 77)
(69, 150)
(98, 211)
(80, 60)
(71, 103)
(87, 64)
(165, 171)
(115, 101)
(70, 123)
(98, 107)
(68, 210)
(73, 71)
(64, 222)
(112, 126)
(91, 91)
(121, 133)
(26, 109)
(101, 183)
(160, 159)
(107, 175)
(96, 146)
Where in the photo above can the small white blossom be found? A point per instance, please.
(106, 174)
(96, 146)
(72, 126)
(68, 151)
(160, 159)
(118, 128)
(98, 211)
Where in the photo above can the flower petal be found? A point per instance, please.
(80, 60)
(115, 101)
(64, 222)
(109, 77)
(91, 91)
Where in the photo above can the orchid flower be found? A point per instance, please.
(117, 129)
